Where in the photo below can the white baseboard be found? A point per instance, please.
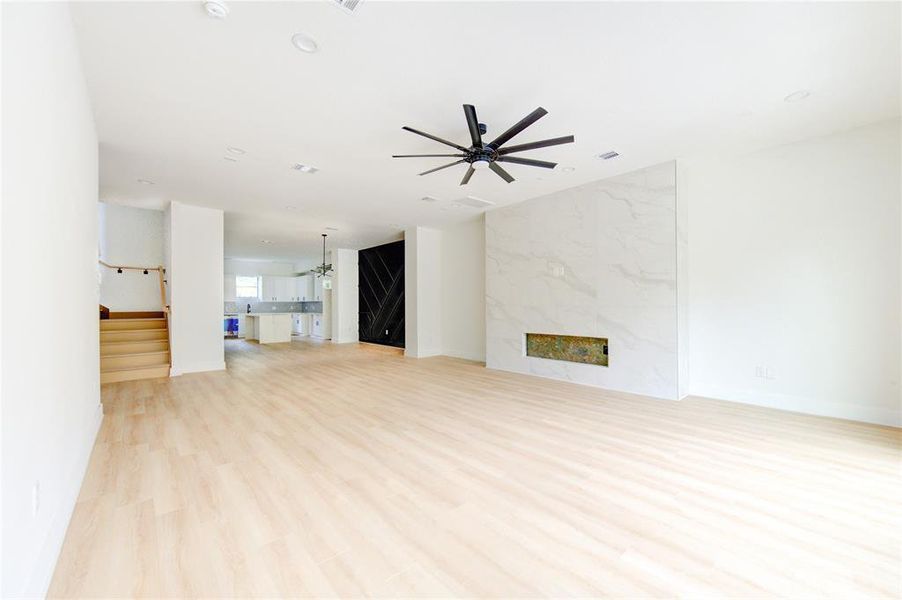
(805, 405)
(585, 383)
(39, 582)
(197, 368)
(425, 353)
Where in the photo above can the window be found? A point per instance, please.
(246, 287)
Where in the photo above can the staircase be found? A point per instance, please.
(133, 346)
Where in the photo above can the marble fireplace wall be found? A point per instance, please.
(596, 260)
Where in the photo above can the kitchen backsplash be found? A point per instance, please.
(285, 307)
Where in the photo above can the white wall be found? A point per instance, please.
(130, 236)
(463, 290)
(50, 372)
(233, 266)
(195, 276)
(596, 260)
(795, 267)
(345, 313)
(167, 251)
(422, 292)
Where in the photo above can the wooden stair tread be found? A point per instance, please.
(121, 374)
(121, 320)
(137, 314)
(134, 335)
(138, 368)
(121, 330)
(126, 342)
(102, 355)
(132, 324)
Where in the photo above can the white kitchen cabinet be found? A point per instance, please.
(320, 327)
(228, 288)
(277, 288)
(303, 288)
(268, 329)
(300, 324)
(285, 289)
(318, 288)
(268, 288)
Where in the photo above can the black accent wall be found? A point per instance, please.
(381, 272)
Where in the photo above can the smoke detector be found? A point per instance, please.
(216, 9)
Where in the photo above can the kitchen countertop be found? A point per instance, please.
(261, 314)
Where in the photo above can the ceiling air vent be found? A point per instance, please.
(349, 6)
(475, 202)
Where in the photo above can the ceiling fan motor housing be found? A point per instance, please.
(486, 153)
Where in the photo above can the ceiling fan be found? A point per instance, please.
(487, 156)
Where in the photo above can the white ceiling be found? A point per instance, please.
(172, 88)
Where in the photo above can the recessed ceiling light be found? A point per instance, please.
(291, 207)
(797, 96)
(266, 241)
(428, 199)
(304, 43)
(235, 150)
(608, 155)
(331, 228)
(216, 9)
(395, 225)
(146, 182)
(304, 168)
(230, 158)
(568, 169)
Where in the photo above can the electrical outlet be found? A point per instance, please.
(386, 332)
(35, 498)
(764, 372)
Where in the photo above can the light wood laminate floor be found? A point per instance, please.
(321, 470)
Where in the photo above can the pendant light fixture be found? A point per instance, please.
(323, 270)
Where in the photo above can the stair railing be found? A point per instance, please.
(160, 273)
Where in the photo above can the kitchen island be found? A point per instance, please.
(268, 328)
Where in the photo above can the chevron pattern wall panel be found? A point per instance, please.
(381, 272)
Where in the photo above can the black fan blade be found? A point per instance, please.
(473, 124)
(523, 124)
(567, 139)
(501, 172)
(423, 155)
(527, 161)
(467, 175)
(457, 162)
(432, 137)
